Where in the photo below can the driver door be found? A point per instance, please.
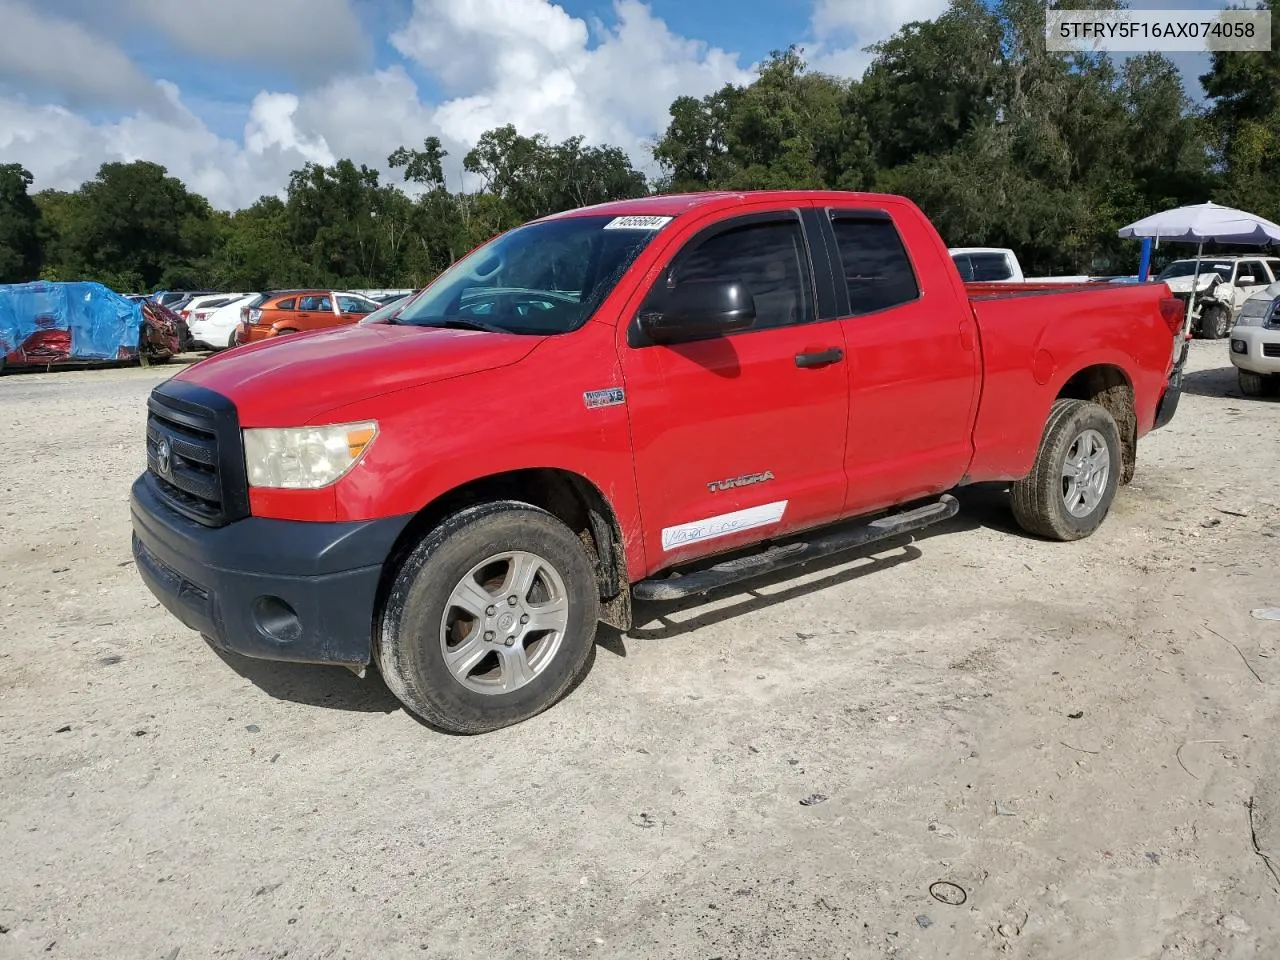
(742, 436)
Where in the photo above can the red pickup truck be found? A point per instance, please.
(651, 398)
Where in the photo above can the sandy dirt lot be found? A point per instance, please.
(1070, 734)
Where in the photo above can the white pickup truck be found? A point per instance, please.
(998, 265)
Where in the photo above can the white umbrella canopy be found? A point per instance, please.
(1204, 223)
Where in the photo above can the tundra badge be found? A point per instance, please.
(716, 486)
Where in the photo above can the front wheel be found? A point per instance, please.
(1070, 489)
(490, 619)
(1215, 322)
(1256, 384)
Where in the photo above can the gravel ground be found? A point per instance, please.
(1070, 734)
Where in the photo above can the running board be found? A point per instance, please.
(791, 554)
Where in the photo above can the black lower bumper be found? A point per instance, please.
(272, 589)
(1168, 404)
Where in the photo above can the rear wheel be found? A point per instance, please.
(1073, 483)
(490, 619)
(1215, 322)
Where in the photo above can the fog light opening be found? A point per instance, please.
(1239, 346)
(277, 620)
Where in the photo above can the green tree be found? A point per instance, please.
(132, 227)
(1243, 123)
(20, 226)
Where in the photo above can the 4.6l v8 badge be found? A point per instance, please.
(715, 486)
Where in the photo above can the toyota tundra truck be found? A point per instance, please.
(647, 399)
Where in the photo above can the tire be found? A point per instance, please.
(420, 619)
(1215, 323)
(1254, 384)
(1040, 499)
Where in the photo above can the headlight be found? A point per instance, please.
(1254, 313)
(305, 458)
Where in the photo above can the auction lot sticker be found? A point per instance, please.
(1142, 31)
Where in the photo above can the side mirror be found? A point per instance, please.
(698, 310)
(1248, 280)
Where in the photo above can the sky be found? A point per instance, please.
(231, 95)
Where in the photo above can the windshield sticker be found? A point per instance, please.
(637, 223)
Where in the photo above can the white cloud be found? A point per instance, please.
(309, 38)
(844, 28)
(60, 57)
(541, 71)
(524, 62)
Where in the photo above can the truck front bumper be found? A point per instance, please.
(271, 589)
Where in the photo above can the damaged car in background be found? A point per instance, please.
(1222, 285)
(45, 324)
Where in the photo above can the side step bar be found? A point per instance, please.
(791, 554)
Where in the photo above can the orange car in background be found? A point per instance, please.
(293, 311)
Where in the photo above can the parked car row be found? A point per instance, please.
(218, 320)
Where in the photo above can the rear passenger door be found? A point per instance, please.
(912, 360)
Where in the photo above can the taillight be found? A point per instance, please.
(186, 314)
(255, 315)
(1172, 310)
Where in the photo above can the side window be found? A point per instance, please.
(876, 269)
(965, 266)
(354, 305)
(769, 258)
(991, 267)
(325, 305)
(1275, 269)
(286, 304)
(1251, 268)
(308, 303)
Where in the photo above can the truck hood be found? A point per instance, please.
(292, 380)
(1183, 284)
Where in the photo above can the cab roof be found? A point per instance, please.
(674, 204)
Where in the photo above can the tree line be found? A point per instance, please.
(1001, 143)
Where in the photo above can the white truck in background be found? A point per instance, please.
(998, 265)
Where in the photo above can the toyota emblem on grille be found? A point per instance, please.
(164, 457)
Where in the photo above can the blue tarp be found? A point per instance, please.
(100, 320)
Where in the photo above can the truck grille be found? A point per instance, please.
(1271, 349)
(195, 460)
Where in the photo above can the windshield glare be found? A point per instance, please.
(543, 278)
(1187, 268)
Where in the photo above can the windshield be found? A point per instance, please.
(1187, 268)
(543, 278)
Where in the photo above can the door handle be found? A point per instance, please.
(820, 358)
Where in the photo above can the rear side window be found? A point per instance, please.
(877, 271)
(990, 267)
(1275, 268)
(285, 304)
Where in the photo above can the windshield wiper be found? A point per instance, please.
(464, 323)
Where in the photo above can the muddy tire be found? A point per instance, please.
(1215, 322)
(1073, 483)
(490, 619)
